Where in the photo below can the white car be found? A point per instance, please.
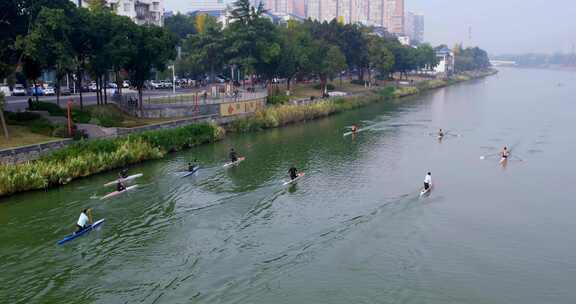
(49, 91)
(18, 90)
(125, 84)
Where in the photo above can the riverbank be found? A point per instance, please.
(281, 115)
(87, 158)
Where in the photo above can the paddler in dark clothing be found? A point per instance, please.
(120, 186)
(293, 172)
(233, 155)
(123, 173)
(192, 166)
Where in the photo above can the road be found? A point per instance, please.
(20, 103)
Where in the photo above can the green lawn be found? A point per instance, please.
(21, 136)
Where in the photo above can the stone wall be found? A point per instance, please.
(25, 153)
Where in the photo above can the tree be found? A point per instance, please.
(326, 61)
(48, 43)
(181, 25)
(379, 57)
(2, 119)
(205, 49)
(295, 51)
(153, 48)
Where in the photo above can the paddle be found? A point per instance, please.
(489, 155)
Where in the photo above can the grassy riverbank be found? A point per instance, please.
(281, 115)
(91, 157)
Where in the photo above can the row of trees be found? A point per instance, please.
(470, 59)
(311, 49)
(56, 35)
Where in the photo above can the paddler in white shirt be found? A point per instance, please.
(84, 220)
(428, 181)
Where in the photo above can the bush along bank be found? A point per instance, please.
(90, 157)
(284, 114)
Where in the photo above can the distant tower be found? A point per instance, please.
(470, 36)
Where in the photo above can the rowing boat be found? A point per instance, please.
(81, 233)
(129, 178)
(194, 170)
(300, 175)
(235, 162)
(115, 193)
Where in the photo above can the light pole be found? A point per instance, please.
(173, 79)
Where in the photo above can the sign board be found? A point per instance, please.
(241, 107)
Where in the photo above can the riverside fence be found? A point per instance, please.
(192, 105)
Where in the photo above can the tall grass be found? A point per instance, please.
(281, 115)
(90, 157)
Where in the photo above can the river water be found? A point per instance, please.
(354, 230)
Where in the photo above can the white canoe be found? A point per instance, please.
(115, 193)
(129, 178)
(234, 163)
(425, 191)
(300, 175)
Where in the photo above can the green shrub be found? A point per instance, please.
(51, 108)
(79, 116)
(41, 126)
(21, 118)
(277, 99)
(358, 82)
(107, 116)
(90, 157)
(329, 87)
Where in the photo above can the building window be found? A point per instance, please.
(156, 6)
(126, 7)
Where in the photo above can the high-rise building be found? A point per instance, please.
(140, 11)
(208, 5)
(418, 28)
(414, 27)
(394, 16)
(376, 12)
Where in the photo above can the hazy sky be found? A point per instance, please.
(499, 26)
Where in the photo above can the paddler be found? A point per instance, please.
(192, 166)
(440, 133)
(427, 181)
(293, 172)
(505, 153)
(84, 220)
(120, 185)
(354, 129)
(233, 155)
(123, 173)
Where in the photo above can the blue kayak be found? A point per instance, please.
(188, 173)
(81, 233)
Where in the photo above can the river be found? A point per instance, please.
(354, 230)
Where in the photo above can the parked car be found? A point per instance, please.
(125, 84)
(64, 91)
(49, 91)
(155, 85)
(36, 91)
(5, 89)
(93, 87)
(18, 90)
(111, 85)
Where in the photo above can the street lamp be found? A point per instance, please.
(173, 67)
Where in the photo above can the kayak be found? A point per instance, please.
(300, 175)
(188, 173)
(425, 191)
(81, 233)
(115, 193)
(234, 163)
(129, 178)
